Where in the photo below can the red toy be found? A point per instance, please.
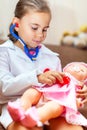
(66, 79)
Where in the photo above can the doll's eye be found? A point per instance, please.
(82, 70)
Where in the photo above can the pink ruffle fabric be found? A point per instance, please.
(66, 96)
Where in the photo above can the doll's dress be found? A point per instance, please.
(66, 96)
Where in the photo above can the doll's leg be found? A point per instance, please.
(30, 97)
(49, 110)
(37, 116)
(17, 108)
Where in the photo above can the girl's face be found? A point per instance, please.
(33, 27)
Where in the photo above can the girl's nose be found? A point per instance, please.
(40, 33)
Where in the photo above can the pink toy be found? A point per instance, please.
(60, 99)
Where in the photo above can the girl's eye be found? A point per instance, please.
(34, 28)
(44, 30)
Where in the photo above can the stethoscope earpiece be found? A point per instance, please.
(32, 53)
(17, 25)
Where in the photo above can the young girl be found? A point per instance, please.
(23, 58)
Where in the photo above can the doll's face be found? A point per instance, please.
(78, 70)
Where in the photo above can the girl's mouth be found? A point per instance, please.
(37, 41)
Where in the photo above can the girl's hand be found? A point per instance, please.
(82, 94)
(49, 77)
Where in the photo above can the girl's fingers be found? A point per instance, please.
(52, 78)
(49, 82)
(83, 89)
(58, 76)
(84, 101)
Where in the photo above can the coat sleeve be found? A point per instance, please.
(12, 85)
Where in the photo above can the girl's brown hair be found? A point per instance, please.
(23, 6)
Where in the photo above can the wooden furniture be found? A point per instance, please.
(69, 54)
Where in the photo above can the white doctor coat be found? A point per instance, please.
(18, 72)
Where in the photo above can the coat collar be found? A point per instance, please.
(44, 50)
(9, 44)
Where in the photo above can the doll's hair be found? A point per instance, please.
(82, 63)
(24, 6)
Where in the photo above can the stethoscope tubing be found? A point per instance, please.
(15, 35)
(26, 49)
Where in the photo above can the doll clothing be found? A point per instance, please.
(66, 96)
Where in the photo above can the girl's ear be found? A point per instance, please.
(16, 21)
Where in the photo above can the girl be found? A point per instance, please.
(23, 58)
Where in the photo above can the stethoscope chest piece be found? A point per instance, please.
(32, 52)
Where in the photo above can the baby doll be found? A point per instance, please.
(77, 71)
(60, 99)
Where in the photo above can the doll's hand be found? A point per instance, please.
(82, 94)
(49, 77)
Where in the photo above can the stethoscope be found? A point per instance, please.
(32, 53)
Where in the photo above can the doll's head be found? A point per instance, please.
(77, 69)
